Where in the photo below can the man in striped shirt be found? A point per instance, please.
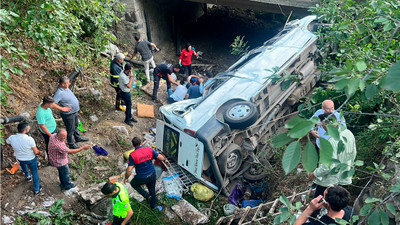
(58, 157)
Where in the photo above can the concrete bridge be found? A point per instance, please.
(275, 6)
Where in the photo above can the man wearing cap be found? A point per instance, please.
(122, 211)
(164, 71)
(143, 47)
(115, 69)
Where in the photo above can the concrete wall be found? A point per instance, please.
(165, 18)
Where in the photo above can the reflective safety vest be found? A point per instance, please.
(120, 202)
(114, 80)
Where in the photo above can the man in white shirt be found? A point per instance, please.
(25, 151)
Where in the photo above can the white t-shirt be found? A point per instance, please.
(22, 145)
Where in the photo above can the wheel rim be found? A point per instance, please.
(239, 111)
(233, 160)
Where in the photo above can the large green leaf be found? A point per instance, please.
(395, 188)
(333, 132)
(361, 66)
(391, 208)
(372, 199)
(370, 92)
(384, 218)
(353, 85)
(341, 84)
(284, 200)
(301, 129)
(293, 122)
(374, 218)
(391, 80)
(309, 159)
(281, 140)
(366, 209)
(291, 158)
(325, 152)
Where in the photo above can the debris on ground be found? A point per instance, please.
(122, 129)
(201, 192)
(144, 110)
(188, 213)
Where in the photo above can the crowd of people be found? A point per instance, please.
(60, 142)
(188, 88)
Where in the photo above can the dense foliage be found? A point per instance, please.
(361, 61)
(61, 30)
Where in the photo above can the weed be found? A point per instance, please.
(121, 141)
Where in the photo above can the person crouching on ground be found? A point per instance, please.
(122, 211)
(142, 160)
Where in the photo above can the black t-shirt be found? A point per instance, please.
(163, 70)
(325, 219)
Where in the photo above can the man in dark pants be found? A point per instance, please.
(141, 159)
(125, 83)
(115, 69)
(64, 97)
(164, 71)
(46, 121)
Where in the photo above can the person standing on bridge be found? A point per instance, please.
(144, 48)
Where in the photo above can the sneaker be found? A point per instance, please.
(29, 178)
(40, 189)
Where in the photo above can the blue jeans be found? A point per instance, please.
(126, 96)
(34, 170)
(63, 173)
(169, 96)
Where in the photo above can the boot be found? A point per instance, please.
(118, 104)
